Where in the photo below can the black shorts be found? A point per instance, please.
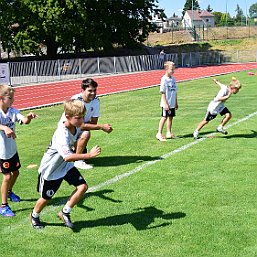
(47, 188)
(168, 113)
(209, 116)
(10, 165)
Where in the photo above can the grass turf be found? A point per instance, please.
(197, 202)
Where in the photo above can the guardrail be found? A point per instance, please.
(32, 72)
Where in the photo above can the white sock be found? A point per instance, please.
(35, 214)
(66, 209)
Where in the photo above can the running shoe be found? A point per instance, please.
(65, 217)
(82, 165)
(35, 222)
(6, 211)
(13, 197)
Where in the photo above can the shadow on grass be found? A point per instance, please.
(121, 160)
(141, 219)
(253, 134)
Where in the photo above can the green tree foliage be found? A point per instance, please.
(253, 10)
(75, 25)
(188, 6)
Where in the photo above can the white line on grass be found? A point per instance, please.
(163, 157)
(139, 168)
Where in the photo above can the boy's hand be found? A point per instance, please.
(107, 128)
(95, 151)
(9, 133)
(32, 115)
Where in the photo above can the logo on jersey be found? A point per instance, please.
(6, 165)
(91, 109)
(50, 193)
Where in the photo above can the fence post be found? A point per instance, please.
(114, 65)
(98, 65)
(80, 69)
(35, 69)
(59, 69)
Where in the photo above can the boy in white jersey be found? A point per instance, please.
(9, 158)
(216, 106)
(169, 102)
(57, 165)
(92, 105)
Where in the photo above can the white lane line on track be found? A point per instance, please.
(137, 169)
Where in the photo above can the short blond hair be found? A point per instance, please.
(74, 107)
(235, 83)
(168, 64)
(6, 90)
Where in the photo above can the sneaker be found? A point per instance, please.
(196, 134)
(82, 165)
(65, 217)
(13, 197)
(35, 222)
(222, 130)
(6, 211)
(160, 137)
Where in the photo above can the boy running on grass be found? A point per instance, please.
(169, 102)
(9, 158)
(57, 165)
(217, 106)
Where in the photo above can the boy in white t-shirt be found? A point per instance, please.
(57, 165)
(169, 102)
(216, 106)
(9, 158)
(92, 105)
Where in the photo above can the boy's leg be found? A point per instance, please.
(159, 134)
(73, 177)
(5, 187)
(75, 197)
(4, 208)
(227, 117)
(81, 148)
(13, 197)
(34, 216)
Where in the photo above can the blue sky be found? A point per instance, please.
(177, 6)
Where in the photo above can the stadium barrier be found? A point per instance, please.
(33, 72)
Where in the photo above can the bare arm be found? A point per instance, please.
(8, 132)
(94, 126)
(95, 151)
(29, 117)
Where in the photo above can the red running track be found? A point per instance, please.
(39, 95)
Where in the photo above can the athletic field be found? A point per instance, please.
(183, 197)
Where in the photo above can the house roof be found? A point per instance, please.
(197, 15)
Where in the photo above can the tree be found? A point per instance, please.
(239, 14)
(188, 6)
(76, 25)
(209, 9)
(217, 18)
(253, 10)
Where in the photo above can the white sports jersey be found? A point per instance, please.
(216, 106)
(8, 145)
(52, 165)
(169, 87)
(92, 108)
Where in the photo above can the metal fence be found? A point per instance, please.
(29, 72)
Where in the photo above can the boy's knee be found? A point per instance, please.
(82, 188)
(85, 136)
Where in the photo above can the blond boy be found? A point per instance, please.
(9, 158)
(169, 102)
(217, 106)
(57, 165)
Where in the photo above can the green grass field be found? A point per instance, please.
(182, 197)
